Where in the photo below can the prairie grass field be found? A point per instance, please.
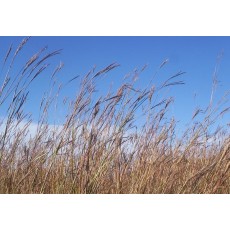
(101, 146)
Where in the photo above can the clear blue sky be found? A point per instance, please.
(197, 56)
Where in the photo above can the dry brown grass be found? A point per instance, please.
(99, 149)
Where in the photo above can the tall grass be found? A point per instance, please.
(102, 147)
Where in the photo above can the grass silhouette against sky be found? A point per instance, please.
(197, 56)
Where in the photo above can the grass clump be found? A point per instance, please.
(102, 147)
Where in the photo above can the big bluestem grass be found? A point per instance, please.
(101, 146)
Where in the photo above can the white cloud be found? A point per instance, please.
(29, 129)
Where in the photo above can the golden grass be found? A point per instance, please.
(100, 148)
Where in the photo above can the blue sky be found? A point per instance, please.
(197, 56)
